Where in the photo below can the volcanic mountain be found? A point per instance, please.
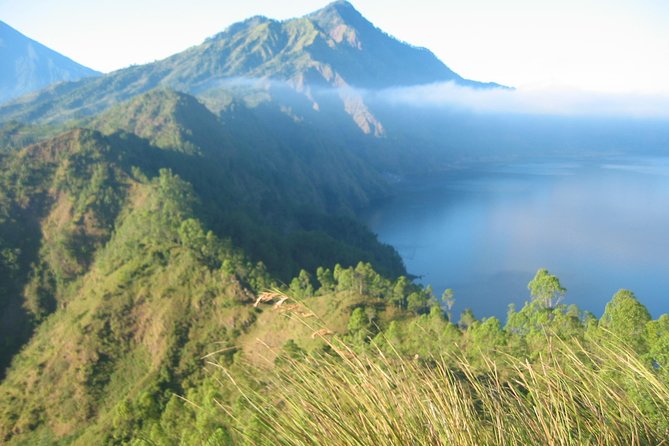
(332, 48)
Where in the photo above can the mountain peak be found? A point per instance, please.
(339, 13)
(342, 23)
(340, 6)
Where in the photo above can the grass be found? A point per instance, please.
(574, 393)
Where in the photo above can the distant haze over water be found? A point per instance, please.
(599, 225)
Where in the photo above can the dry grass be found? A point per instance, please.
(572, 395)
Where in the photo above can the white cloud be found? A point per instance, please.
(552, 101)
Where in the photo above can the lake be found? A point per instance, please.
(599, 225)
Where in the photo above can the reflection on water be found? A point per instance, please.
(599, 226)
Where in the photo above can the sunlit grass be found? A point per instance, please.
(572, 394)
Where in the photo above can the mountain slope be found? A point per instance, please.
(120, 328)
(274, 160)
(364, 56)
(268, 187)
(333, 47)
(59, 202)
(112, 284)
(285, 201)
(27, 66)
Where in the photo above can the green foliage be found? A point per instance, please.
(400, 291)
(626, 318)
(278, 179)
(426, 336)
(170, 292)
(421, 301)
(657, 335)
(59, 203)
(487, 333)
(160, 262)
(39, 292)
(546, 288)
(15, 135)
(467, 319)
(290, 351)
(362, 325)
(325, 279)
(301, 287)
(362, 279)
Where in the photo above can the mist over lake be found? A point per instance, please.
(598, 224)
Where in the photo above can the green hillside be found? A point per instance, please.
(61, 198)
(112, 276)
(271, 160)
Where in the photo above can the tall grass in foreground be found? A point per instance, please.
(571, 395)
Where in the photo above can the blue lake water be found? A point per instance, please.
(599, 225)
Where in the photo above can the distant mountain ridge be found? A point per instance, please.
(27, 65)
(332, 47)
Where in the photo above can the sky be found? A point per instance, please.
(619, 46)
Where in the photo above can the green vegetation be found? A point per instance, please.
(552, 375)
(572, 394)
(117, 278)
(133, 259)
(169, 340)
(61, 199)
(132, 279)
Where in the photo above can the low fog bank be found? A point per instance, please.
(454, 97)
(450, 120)
(548, 101)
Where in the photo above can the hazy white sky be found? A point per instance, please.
(600, 45)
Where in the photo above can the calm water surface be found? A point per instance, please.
(598, 225)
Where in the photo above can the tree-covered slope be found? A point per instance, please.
(271, 160)
(120, 329)
(170, 348)
(27, 66)
(61, 197)
(118, 288)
